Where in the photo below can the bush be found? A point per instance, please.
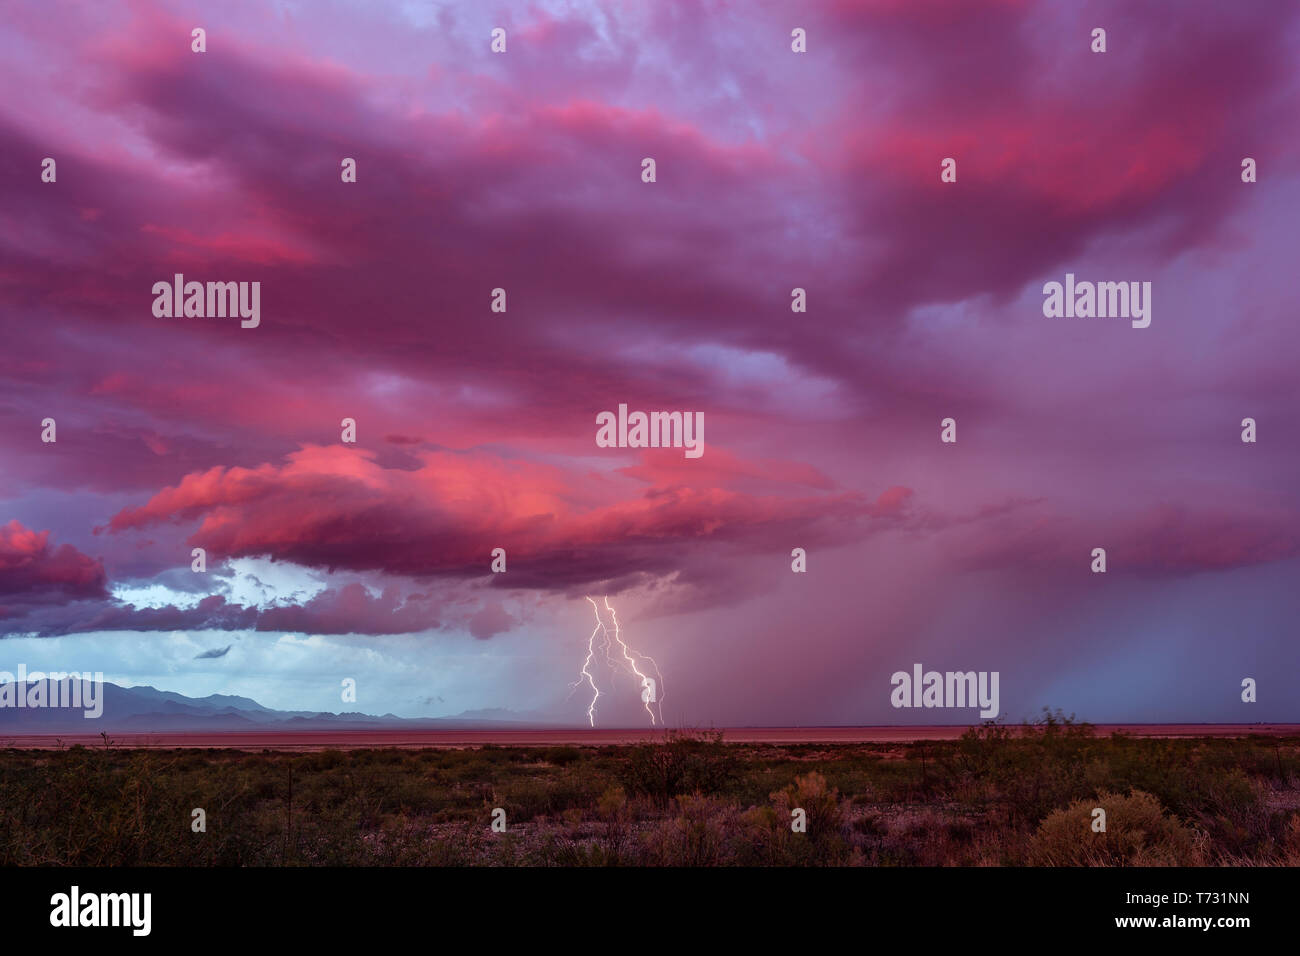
(698, 836)
(684, 763)
(1137, 834)
(825, 811)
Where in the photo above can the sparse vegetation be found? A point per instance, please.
(996, 796)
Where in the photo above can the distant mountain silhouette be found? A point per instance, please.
(149, 710)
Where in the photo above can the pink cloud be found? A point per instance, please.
(338, 507)
(33, 571)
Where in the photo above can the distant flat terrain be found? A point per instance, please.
(582, 736)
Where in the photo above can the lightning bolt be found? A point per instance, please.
(610, 634)
(631, 662)
(591, 649)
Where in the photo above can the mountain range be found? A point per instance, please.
(146, 709)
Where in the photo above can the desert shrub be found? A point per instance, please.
(1138, 833)
(683, 763)
(702, 834)
(827, 839)
(612, 803)
(1027, 772)
(825, 810)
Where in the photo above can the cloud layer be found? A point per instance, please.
(775, 170)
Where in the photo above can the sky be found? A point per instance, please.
(476, 429)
